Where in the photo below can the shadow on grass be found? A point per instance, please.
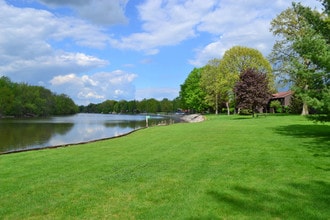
(242, 118)
(317, 137)
(297, 201)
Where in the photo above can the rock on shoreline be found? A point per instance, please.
(193, 118)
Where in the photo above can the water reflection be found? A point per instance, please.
(19, 134)
(25, 135)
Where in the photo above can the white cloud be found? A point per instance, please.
(164, 23)
(244, 23)
(42, 68)
(96, 87)
(27, 37)
(103, 12)
(66, 79)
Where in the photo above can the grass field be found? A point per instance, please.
(227, 167)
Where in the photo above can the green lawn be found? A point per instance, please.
(227, 167)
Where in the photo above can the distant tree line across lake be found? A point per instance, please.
(23, 100)
(133, 107)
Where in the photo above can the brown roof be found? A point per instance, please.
(282, 94)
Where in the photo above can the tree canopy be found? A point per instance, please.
(252, 90)
(238, 59)
(191, 93)
(133, 106)
(20, 99)
(302, 55)
(212, 86)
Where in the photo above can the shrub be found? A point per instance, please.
(277, 106)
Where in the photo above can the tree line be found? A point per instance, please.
(133, 107)
(23, 100)
(242, 79)
(300, 58)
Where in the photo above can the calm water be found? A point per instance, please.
(21, 134)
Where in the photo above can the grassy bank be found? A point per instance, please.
(274, 167)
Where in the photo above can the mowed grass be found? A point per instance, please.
(227, 167)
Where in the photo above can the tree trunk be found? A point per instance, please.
(216, 104)
(228, 110)
(305, 109)
(305, 106)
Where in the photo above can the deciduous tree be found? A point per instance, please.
(302, 54)
(238, 59)
(210, 82)
(191, 93)
(252, 90)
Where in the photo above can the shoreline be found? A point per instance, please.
(193, 118)
(69, 145)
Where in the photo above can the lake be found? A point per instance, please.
(32, 133)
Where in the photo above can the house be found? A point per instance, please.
(283, 97)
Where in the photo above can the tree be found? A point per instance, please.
(209, 82)
(238, 59)
(21, 99)
(166, 105)
(6, 96)
(64, 105)
(302, 55)
(191, 93)
(252, 90)
(153, 105)
(217, 85)
(315, 47)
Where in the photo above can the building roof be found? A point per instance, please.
(282, 94)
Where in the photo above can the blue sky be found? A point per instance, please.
(94, 50)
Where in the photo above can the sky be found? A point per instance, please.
(97, 50)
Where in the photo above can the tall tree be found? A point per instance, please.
(302, 54)
(210, 82)
(239, 59)
(252, 90)
(191, 93)
(217, 84)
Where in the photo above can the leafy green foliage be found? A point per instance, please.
(276, 105)
(217, 85)
(239, 59)
(303, 53)
(20, 99)
(212, 85)
(133, 106)
(211, 82)
(191, 93)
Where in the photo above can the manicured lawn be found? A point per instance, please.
(274, 167)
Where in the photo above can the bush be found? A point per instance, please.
(245, 112)
(277, 106)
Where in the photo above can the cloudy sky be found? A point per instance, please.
(93, 50)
